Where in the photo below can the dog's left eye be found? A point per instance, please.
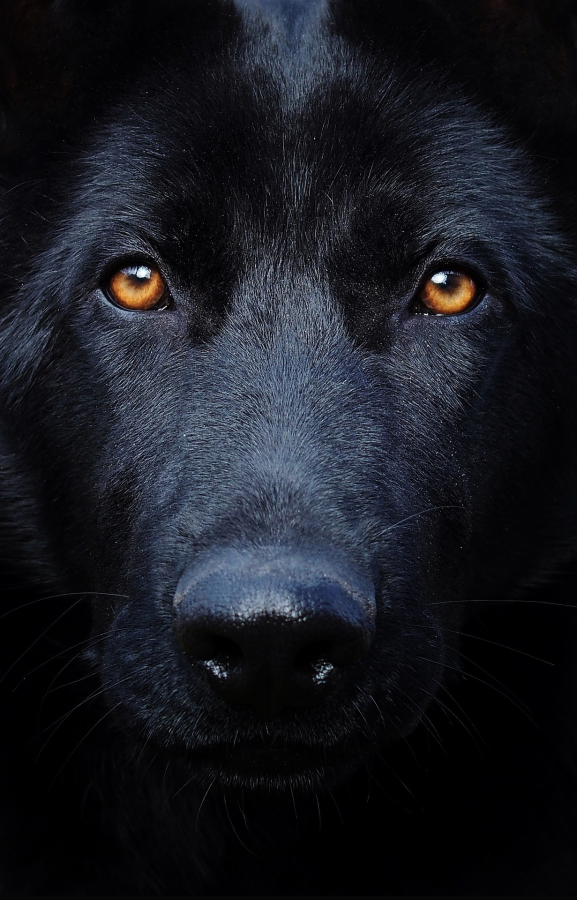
(447, 293)
(138, 287)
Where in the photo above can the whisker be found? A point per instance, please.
(61, 687)
(331, 795)
(467, 717)
(519, 703)
(294, 807)
(236, 834)
(242, 810)
(423, 717)
(513, 700)
(46, 662)
(39, 638)
(485, 640)
(89, 643)
(319, 811)
(183, 786)
(421, 512)
(389, 796)
(152, 759)
(451, 713)
(384, 724)
(504, 600)
(363, 717)
(397, 777)
(206, 793)
(85, 701)
(81, 741)
(61, 597)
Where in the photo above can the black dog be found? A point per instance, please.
(288, 395)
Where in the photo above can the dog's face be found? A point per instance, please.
(292, 393)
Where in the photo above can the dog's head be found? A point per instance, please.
(286, 333)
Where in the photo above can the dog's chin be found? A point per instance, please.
(289, 768)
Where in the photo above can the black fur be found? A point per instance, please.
(295, 170)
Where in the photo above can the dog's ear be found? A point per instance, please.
(528, 51)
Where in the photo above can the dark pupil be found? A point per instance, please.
(140, 276)
(449, 282)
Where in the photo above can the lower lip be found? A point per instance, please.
(276, 764)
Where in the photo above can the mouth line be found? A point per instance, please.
(252, 761)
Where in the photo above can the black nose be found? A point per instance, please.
(271, 629)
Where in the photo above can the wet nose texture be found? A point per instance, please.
(273, 631)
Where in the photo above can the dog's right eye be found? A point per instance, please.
(448, 293)
(138, 287)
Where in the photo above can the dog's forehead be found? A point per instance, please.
(290, 40)
(275, 135)
(290, 18)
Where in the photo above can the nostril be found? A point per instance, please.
(327, 655)
(205, 646)
(314, 656)
(226, 652)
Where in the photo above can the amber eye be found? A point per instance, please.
(447, 294)
(139, 287)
